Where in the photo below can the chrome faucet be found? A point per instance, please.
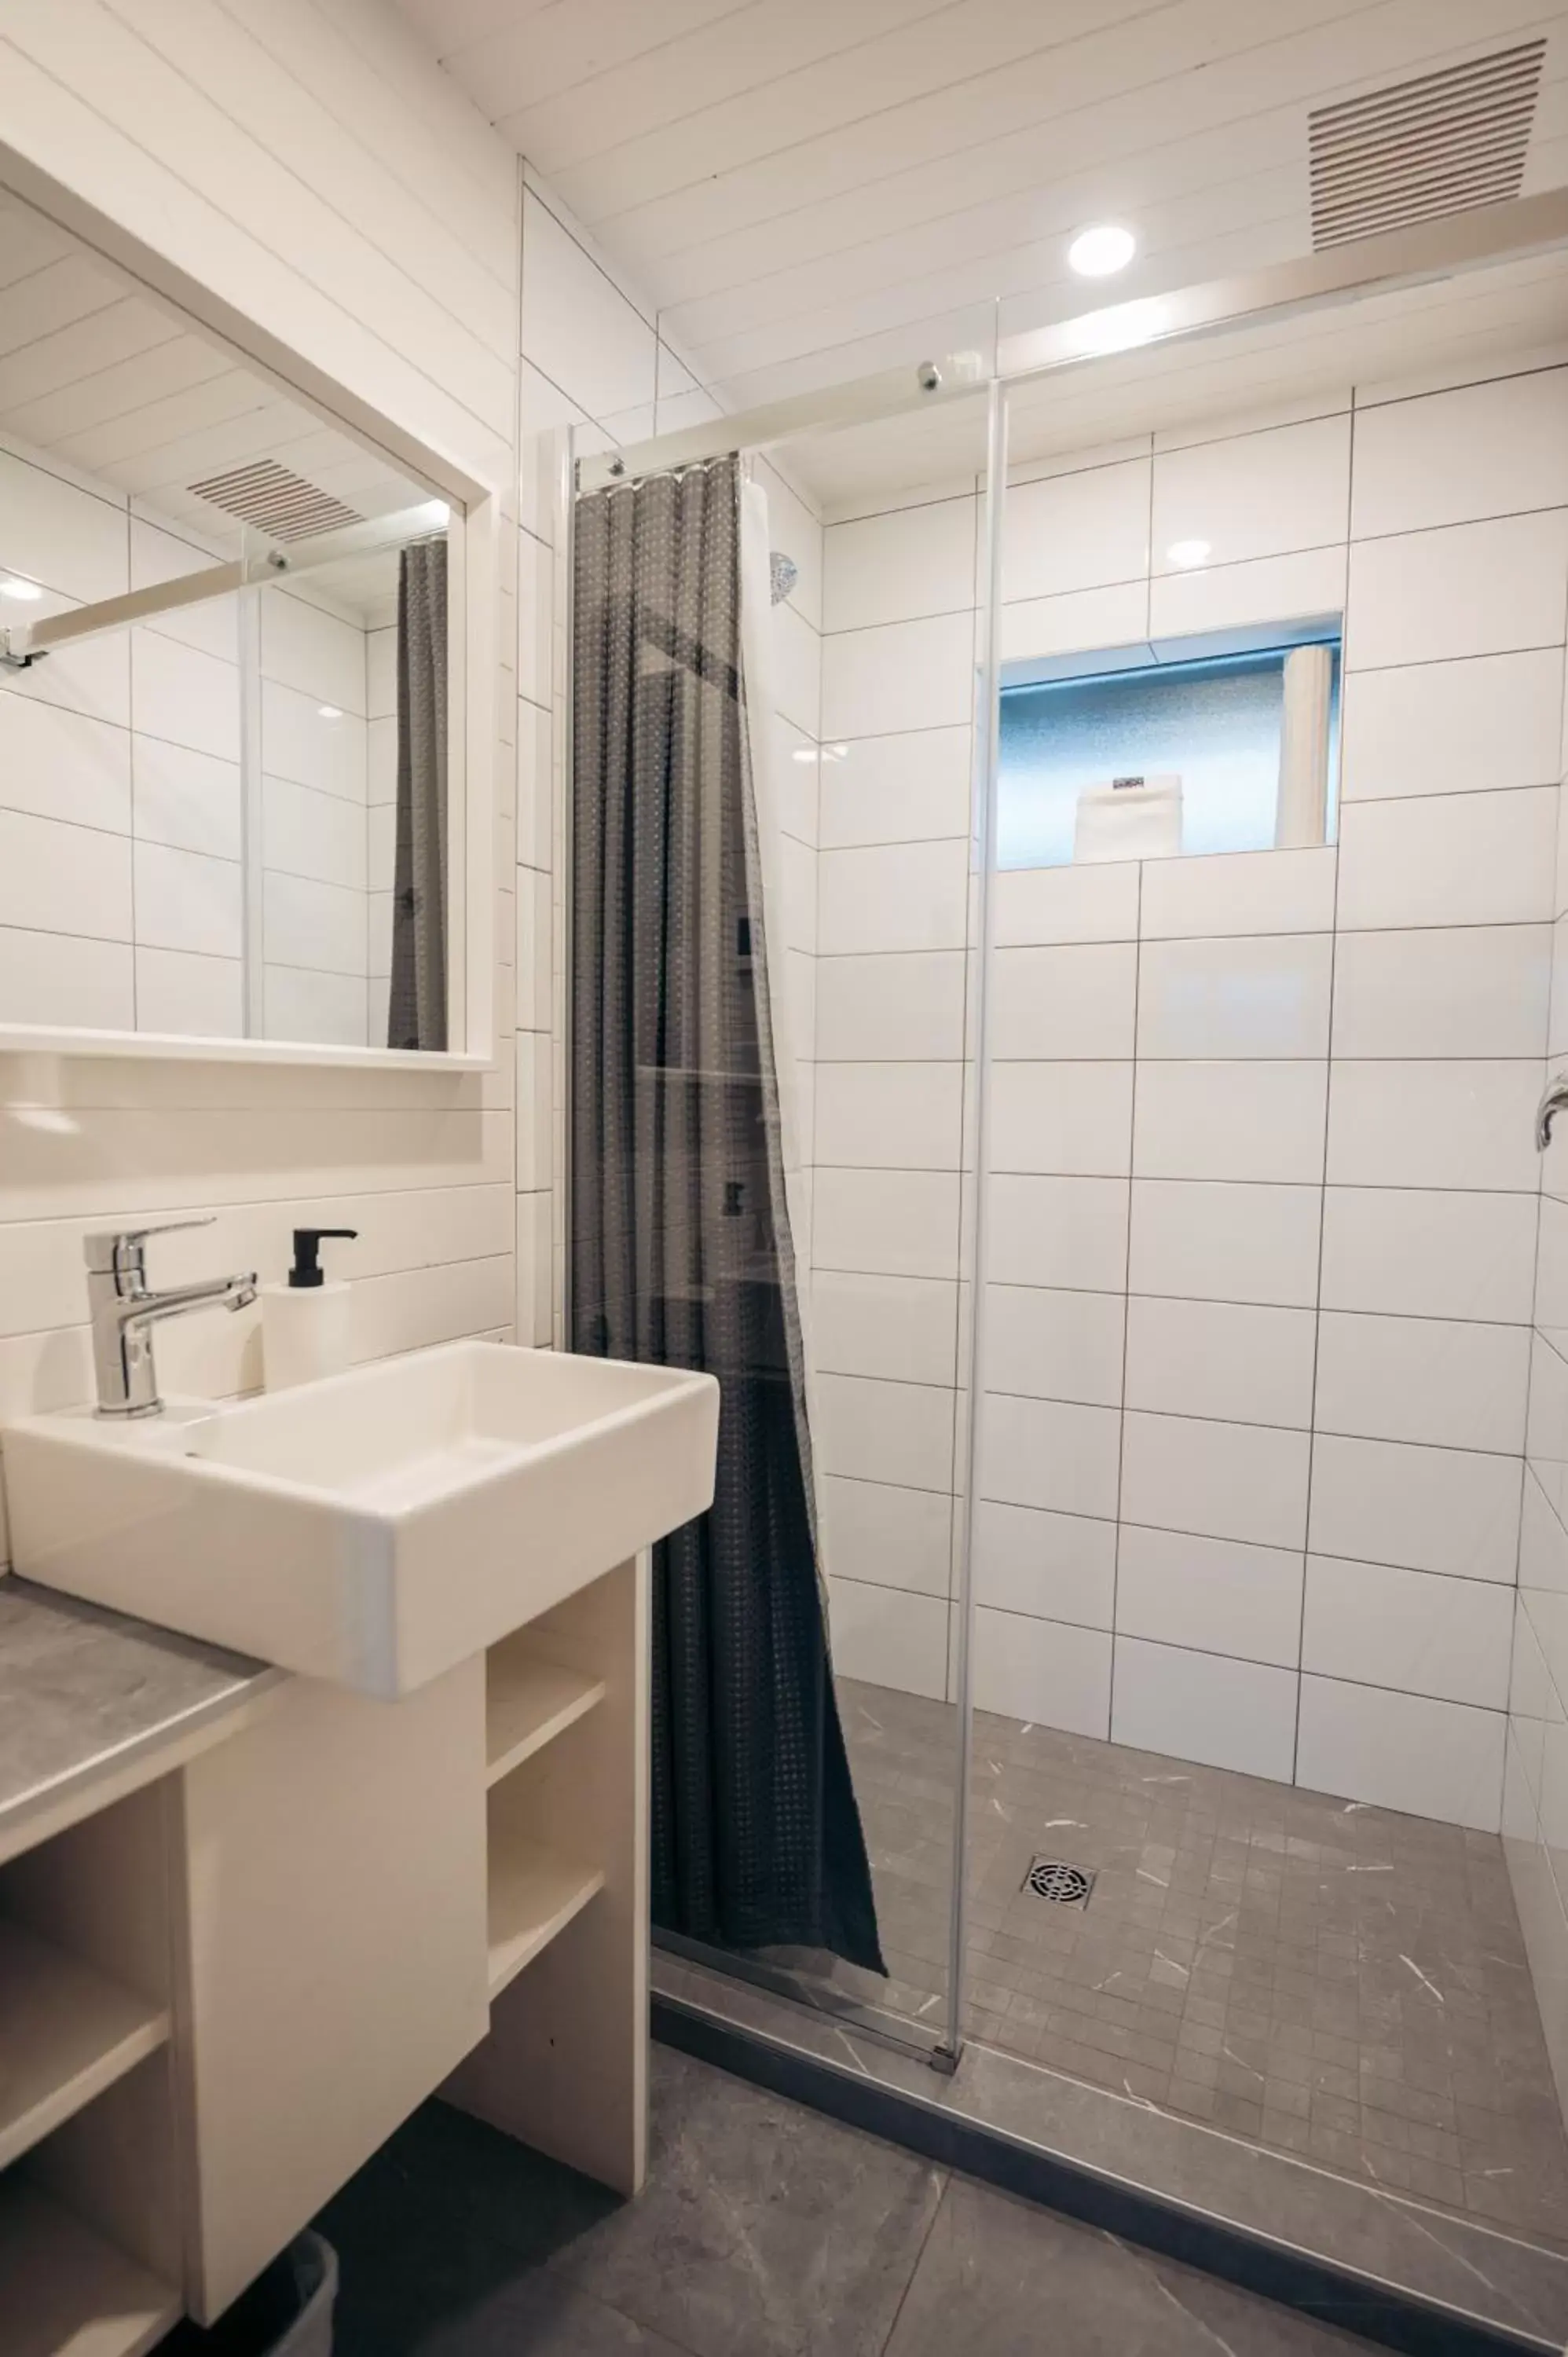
(125, 1310)
(1552, 1103)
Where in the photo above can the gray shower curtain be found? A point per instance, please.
(416, 1006)
(680, 1248)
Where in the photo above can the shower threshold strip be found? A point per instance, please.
(1377, 2265)
(814, 1996)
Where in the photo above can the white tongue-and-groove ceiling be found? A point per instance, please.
(99, 380)
(805, 191)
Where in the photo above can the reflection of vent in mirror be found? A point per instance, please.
(1422, 149)
(275, 500)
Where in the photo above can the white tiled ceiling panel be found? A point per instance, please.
(809, 189)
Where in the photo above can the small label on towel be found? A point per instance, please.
(1116, 784)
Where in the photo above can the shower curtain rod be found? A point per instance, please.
(1366, 266)
(24, 643)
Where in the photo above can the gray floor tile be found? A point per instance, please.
(1000, 2277)
(765, 2229)
(1384, 1948)
(542, 2316)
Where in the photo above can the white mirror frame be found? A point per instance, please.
(474, 604)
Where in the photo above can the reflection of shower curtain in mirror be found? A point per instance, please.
(680, 1248)
(416, 1008)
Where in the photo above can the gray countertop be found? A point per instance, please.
(90, 1698)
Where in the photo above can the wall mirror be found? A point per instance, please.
(234, 789)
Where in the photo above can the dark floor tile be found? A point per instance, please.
(765, 2228)
(536, 2315)
(446, 2182)
(1000, 2277)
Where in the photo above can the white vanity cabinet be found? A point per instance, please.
(377, 1898)
(221, 1992)
(330, 1952)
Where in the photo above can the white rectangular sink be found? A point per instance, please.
(376, 1528)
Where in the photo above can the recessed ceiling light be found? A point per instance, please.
(328, 712)
(25, 590)
(1101, 251)
(1188, 553)
(804, 753)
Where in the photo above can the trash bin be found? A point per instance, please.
(287, 2311)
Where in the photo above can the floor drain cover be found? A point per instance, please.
(1063, 1884)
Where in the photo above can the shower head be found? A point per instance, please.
(784, 573)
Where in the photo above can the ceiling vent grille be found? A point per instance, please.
(1440, 145)
(275, 500)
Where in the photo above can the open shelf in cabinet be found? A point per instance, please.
(65, 2291)
(67, 2032)
(529, 1702)
(534, 1895)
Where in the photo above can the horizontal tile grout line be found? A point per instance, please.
(1194, 1416)
(1157, 940)
(1181, 1177)
(1297, 1669)
(1153, 578)
(1188, 1415)
(1267, 1304)
(1163, 1530)
(66, 1220)
(1244, 1063)
(369, 1277)
(1211, 1653)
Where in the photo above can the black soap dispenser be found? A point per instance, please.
(305, 1322)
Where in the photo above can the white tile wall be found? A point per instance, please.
(1225, 1480)
(1427, 1509)
(1057, 1231)
(1243, 1363)
(1413, 1631)
(1430, 1379)
(1450, 859)
(899, 567)
(1254, 1121)
(1041, 1670)
(1224, 1713)
(888, 1536)
(1054, 1566)
(1243, 996)
(1429, 1253)
(1461, 727)
(897, 676)
(1255, 495)
(1215, 1593)
(890, 1007)
(1401, 1751)
(1226, 1241)
(1068, 1117)
(401, 286)
(1474, 990)
(904, 1328)
(1075, 1002)
(1075, 531)
(909, 787)
(900, 896)
(1047, 1344)
(1465, 589)
(1262, 1213)
(1482, 450)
